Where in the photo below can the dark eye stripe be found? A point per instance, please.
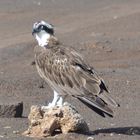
(45, 28)
(40, 27)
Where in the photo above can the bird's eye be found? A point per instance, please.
(40, 27)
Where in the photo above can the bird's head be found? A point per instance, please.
(42, 31)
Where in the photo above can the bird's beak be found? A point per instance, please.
(34, 31)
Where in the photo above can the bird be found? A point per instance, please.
(67, 73)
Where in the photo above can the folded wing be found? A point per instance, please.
(70, 73)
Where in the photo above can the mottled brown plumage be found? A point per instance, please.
(67, 73)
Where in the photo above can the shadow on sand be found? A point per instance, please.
(118, 130)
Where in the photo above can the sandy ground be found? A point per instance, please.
(106, 32)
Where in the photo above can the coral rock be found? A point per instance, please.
(53, 120)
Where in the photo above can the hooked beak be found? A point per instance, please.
(34, 31)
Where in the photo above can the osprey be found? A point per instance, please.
(67, 73)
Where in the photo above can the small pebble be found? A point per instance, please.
(113, 70)
(119, 134)
(90, 138)
(16, 132)
(1, 72)
(112, 124)
(115, 17)
(7, 127)
(109, 50)
(33, 63)
(111, 134)
(1, 136)
(127, 82)
(39, 3)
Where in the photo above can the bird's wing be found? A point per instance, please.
(67, 69)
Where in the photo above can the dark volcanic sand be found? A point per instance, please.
(106, 32)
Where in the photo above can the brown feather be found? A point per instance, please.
(66, 71)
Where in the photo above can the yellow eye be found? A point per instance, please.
(42, 26)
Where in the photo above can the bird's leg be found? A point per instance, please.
(55, 100)
(60, 101)
(53, 103)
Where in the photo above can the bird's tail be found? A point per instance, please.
(107, 99)
(97, 103)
